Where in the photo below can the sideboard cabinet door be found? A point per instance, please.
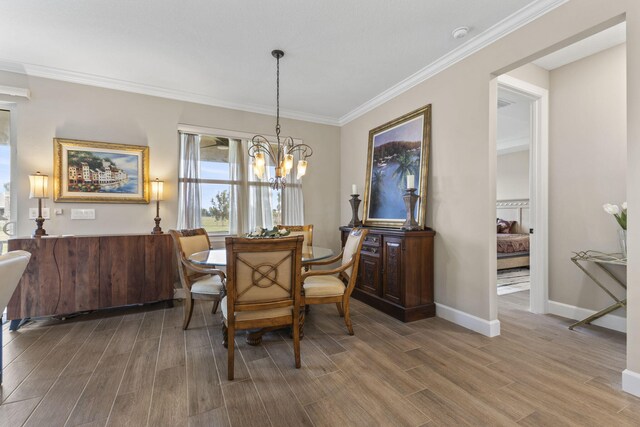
(369, 274)
(392, 269)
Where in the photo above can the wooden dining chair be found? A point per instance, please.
(12, 266)
(336, 285)
(263, 288)
(300, 230)
(200, 283)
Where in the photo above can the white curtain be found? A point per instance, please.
(250, 201)
(189, 182)
(292, 198)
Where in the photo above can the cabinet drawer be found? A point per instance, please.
(372, 240)
(370, 250)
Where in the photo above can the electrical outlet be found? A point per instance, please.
(57, 211)
(33, 213)
(83, 214)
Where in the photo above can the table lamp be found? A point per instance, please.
(157, 194)
(39, 189)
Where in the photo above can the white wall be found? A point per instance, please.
(512, 176)
(66, 110)
(587, 168)
(463, 155)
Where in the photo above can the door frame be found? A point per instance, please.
(538, 189)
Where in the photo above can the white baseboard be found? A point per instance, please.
(631, 382)
(490, 328)
(609, 321)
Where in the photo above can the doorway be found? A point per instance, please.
(521, 190)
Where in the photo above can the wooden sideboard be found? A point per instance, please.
(81, 273)
(395, 274)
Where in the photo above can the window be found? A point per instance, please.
(5, 176)
(232, 200)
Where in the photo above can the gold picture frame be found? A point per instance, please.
(396, 149)
(100, 172)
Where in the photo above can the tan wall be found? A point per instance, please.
(462, 177)
(533, 74)
(587, 168)
(65, 110)
(512, 176)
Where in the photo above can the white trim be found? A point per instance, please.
(512, 203)
(539, 189)
(631, 382)
(144, 89)
(12, 107)
(489, 328)
(509, 24)
(15, 91)
(609, 321)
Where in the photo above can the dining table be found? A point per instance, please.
(218, 258)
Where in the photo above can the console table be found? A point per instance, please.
(81, 273)
(395, 274)
(601, 260)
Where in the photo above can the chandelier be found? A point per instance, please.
(282, 154)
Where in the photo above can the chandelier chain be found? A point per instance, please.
(278, 98)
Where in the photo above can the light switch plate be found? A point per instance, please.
(33, 213)
(83, 214)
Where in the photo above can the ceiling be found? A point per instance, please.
(514, 114)
(598, 42)
(342, 57)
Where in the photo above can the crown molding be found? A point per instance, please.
(512, 203)
(511, 23)
(127, 86)
(504, 27)
(15, 91)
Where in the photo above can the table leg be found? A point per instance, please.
(588, 320)
(15, 324)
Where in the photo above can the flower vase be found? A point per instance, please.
(622, 239)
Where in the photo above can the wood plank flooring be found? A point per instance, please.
(137, 367)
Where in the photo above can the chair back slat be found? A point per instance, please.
(300, 230)
(352, 247)
(263, 273)
(186, 243)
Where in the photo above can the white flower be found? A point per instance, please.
(611, 209)
(258, 230)
(283, 231)
(624, 206)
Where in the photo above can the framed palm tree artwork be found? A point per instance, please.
(398, 158)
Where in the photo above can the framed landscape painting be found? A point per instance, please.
(397, 149)
(100, 172)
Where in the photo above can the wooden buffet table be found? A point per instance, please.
(395, 274)
(81, 273)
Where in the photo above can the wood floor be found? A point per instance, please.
(138, 368)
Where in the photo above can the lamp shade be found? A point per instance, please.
(39, 186)
(157, 190)
(302, 168)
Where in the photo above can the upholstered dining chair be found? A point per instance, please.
(263, 289)
(199, 283)
(336, 285)
(300, 230)
(12, 265)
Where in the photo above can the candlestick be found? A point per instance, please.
(410, 199)
(355, 203)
